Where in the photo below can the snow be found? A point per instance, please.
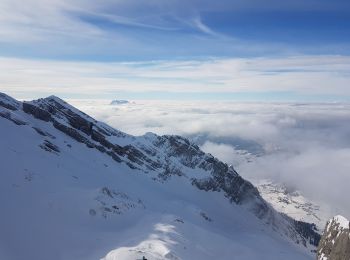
(9, 100)
(174, 239)
(341, 221)
(119, 102)
(293, 203)
(54, 206)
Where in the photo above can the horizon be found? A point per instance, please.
(241, 50)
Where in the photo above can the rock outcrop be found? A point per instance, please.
(335, 241)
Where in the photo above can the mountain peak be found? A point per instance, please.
(8, 102)
(341, 221)
(55, 98)
(335, 241)
(119, 102)
(108, 172)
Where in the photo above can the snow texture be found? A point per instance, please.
(66, 196)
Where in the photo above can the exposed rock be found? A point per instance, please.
(203, 215)
(308, 231)
(72, 133)
(36, 111)
(335, 241)
(50, 147)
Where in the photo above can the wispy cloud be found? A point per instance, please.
(306, 76)
(116, 30)
(197, 21)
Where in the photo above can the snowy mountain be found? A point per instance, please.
(293, 203)
(335, 242)
(75, 188)
(119, 102)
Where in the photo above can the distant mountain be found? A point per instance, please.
(72, 187)
(292, 203)
(335, 242)
(119, 102)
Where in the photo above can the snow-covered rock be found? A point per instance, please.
(75, 188)
(293, 203)
(335, 241)
(117, 102)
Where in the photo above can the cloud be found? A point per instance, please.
(320, 172)
(197, 21)
(306, 146)
(39, 20)
(120, 30)
(318, 77)
(78, 21)
(222, 151)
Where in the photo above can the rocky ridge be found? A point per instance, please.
(159, 156)
(335, 241)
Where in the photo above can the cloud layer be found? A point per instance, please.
(285, 78)
(306, 146)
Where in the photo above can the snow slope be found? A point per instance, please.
(293, 203)
(65, 193)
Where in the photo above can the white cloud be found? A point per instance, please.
(40, 20)
(197, 22)
(303, 145)
(221, 151)
(321, 172)
(306, 75)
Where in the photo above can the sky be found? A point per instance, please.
(245, 50)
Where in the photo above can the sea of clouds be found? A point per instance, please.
(304, 146)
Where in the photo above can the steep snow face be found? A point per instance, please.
(335, 241)
(74, 188)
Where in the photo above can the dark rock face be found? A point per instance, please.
(83, 129)
(36, 111)
(308, 231)
(235, 187)
(335, 241)
(75, 134)
(50, 147)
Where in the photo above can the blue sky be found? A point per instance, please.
(85, 32)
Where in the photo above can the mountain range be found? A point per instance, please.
(75, 188)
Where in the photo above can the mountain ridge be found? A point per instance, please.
(335, 241)
(162, 158)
